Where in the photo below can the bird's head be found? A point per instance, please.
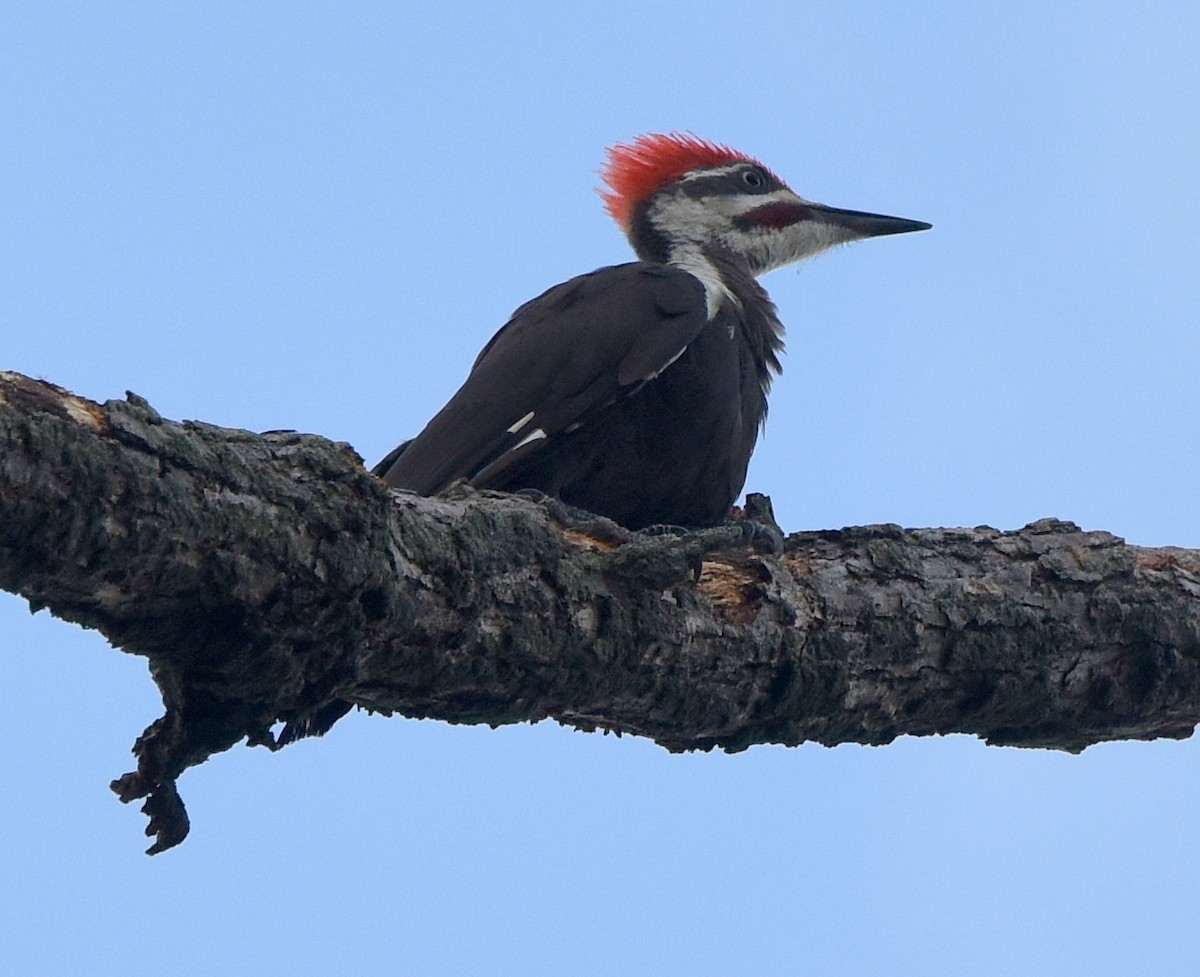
(678, 197)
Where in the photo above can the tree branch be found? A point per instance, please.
(269, 578)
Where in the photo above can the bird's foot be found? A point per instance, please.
(755, 520)
(580, 520)
(665, 529)
(759, 528)
(762, 538)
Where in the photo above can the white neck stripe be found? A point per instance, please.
(695, 263)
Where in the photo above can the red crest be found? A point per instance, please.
(634, 171)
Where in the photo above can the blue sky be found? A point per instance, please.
(312, 216)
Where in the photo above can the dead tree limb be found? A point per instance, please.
(269, 578)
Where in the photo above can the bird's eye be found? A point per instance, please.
(753, 178)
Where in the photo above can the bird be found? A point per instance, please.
(637, 391)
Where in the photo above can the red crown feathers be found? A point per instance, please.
(634, 171)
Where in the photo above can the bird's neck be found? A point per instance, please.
(729, 284)
(731, 290)
(700, 264)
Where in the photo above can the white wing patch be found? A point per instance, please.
(533, 435)
(668, 363)
(521, 423)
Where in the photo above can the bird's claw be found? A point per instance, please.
(762, 537)
(665, 529)
(581, 520)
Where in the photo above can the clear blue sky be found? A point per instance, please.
(311, 216)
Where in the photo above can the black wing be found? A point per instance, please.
(561, 359)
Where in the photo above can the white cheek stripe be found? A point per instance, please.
(531, 436)
(521, 423)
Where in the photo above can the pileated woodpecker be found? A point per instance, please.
(638, 391)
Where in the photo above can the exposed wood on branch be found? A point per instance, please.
(269, 578)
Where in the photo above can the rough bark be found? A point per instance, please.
(269, 578)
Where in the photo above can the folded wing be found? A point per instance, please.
(560, 361)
